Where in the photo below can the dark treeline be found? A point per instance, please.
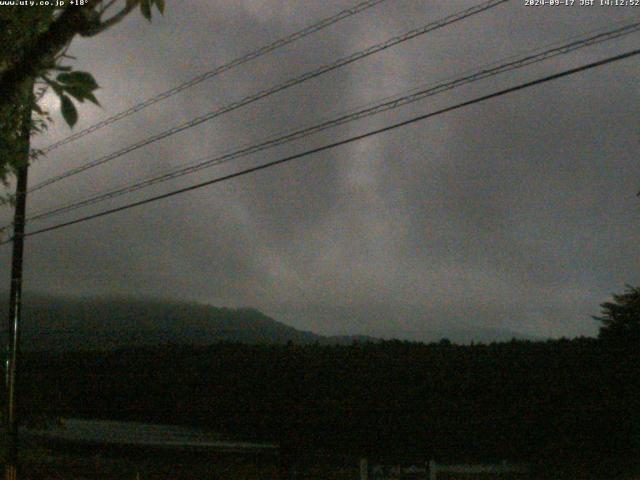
(569, 403)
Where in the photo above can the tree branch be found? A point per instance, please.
(112, 21)
(70, 22)
(104, 8)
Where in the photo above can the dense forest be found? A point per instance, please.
(569, 403)
(561, 405)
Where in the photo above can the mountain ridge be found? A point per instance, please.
(106, 323)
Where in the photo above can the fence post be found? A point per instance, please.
(433, 470)
(364, 469)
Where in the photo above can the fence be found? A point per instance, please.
(434, 471)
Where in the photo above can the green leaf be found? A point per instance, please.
(56, 88)
(160, 6)
(75, 92)
(80, 86)
(92, 98)
(145, 8)
(54, 85)
(81, 95)
(69, 112)
(83, 79)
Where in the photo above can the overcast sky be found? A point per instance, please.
(515, 214)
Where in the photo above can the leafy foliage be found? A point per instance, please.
(621, 318)
(79, 85)
(19, 27)
(34, 44)
(145, 7)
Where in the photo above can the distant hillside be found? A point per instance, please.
(404, 322)
(54, 323)
(70, 324)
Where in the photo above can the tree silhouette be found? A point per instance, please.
(621, 318)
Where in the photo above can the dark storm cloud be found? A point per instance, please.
(516, 214)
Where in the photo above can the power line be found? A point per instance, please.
(385, 105)
(278, 88)
(218, 70)
(371, 133)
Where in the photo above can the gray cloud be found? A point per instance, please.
(515, 214)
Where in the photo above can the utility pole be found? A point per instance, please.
(15, 299)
